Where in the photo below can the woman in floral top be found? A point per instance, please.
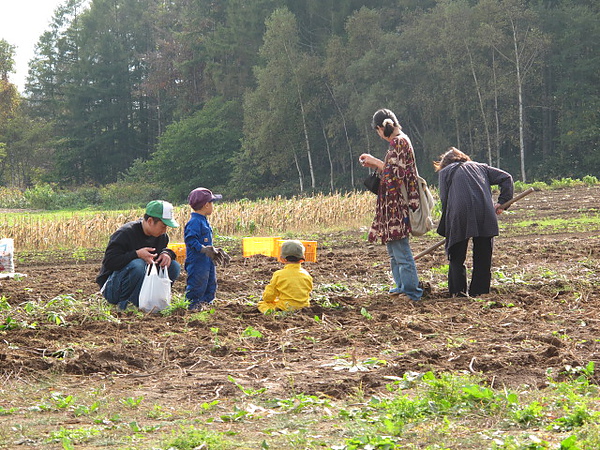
(391, 224)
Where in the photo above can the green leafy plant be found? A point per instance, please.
(178, 302)
(69, 437)
(574, 418)
(158, 413)
(142, 429)
(301, 402)
(132, 402)
(528, 415)
(366, 314)
(11, 324)
(246, 391)
(84, 410)
(207, 406)
(325, 302)
(350, 363)
(370, 442)
(62, 401)
(333, 287)
(238, 415)
(4, 305)
(251, 332)
(7, 411)
(530, 442)
(190, 438)
(215, 336)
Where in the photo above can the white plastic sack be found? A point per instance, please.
(7, 249)
(155, 294)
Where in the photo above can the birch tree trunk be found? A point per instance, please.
(496, 111)
(481, 106)
(303, 113)
(328, 157)
(300, 174)
(520, 95)
(346, 133)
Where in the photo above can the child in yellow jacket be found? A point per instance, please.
(290, 287)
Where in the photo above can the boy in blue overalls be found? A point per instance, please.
(201, 256)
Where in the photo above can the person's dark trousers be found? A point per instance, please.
(482, 265)
(457, 272)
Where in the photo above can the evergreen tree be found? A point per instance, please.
(197, 151)
(572, 80)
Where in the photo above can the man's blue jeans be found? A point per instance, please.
(123, 286)
(404, 269)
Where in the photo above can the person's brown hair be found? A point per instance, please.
(452, 155)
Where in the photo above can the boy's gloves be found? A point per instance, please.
(222, 257)
(209, 251)
(218, 255)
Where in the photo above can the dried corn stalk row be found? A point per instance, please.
(240, 218)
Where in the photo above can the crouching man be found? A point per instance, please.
(130, 248)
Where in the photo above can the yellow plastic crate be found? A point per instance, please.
(179, 249)
(310, 250)
(266, 246)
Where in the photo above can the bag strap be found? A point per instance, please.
(149, 268)
(162, 272)
(403, 188)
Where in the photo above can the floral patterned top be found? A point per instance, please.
(391, 221)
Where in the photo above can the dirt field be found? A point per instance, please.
(543, 313)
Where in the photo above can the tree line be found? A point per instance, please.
(269, 97)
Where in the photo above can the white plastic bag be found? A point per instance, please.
(155, 294)
(7, 249)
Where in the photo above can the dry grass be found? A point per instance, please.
(265, 217)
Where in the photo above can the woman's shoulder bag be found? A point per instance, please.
(421, 220)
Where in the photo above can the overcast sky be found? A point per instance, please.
(21, 24)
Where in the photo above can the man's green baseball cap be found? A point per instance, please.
(162, 210)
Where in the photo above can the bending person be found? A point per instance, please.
(468, 212)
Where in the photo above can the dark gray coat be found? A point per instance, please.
(465, 192)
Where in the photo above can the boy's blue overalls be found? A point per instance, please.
(201, 272)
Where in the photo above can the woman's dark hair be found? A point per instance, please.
(452, 155)
(386, 119)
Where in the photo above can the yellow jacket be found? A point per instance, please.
(288, 290)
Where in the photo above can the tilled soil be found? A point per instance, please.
(542, 314)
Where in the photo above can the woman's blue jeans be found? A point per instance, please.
(404, 269)
(123, 286)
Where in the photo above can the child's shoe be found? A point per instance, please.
(200, 306)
